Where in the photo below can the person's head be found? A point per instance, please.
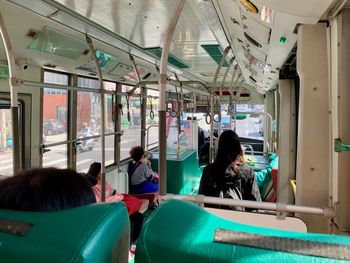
(148, 155)
(95, 170)
(45, 189)
(228, 150)
(137, 153)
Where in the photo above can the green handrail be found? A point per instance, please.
(339, 146)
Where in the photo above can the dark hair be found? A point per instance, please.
(136, 153)
(228, 150)
(95, 169)
(45, 189)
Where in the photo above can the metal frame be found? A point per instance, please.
(13, 82)
(211, 148)
(222, 87)
(162, 95)
(278, 207)
(178, 83)
(103, 119)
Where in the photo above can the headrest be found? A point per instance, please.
(92, 233)
(179, 231)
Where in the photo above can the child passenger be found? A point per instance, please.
(142, 179)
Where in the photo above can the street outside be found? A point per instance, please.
(57, 157)
(247, 128)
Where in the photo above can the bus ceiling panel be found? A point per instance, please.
(311, 9)
(107, 41)
(143, 22)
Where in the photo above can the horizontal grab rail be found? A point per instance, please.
(48, 145)
(278, 207)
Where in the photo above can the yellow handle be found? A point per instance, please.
(251, 7)
(294, 185)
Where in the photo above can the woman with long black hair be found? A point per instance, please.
(228, 176)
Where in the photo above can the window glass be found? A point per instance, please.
(132, 127)
(249, 125)
(94, 84)
(127, 88)
(55, 116)
(56, 156)
(86, 156)
(109, 150)
(88, 124)
(6, 160)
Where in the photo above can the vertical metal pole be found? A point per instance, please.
(211, 148)
(103, 122)
(162, 96)
(222, 87)
(13, 82)
(143, 102)
(117, 124)
(143, 116)
(72, 129)
(231, 93)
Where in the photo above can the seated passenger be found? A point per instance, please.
(228, 176)
(45, 189)
(111, 195)
(142, 179)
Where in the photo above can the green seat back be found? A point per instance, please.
(93, 233)
(183, 232)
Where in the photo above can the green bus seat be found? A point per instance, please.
(179, 231)
(93, 233)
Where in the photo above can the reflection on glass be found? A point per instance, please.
(109, 150)
(6, 160)
(94, 84)
(109, 119)
(56, 157)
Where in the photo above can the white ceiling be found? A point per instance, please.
(262, 63)
(143, 23)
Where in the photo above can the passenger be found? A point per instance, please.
(45, 189)
(147, 159)
(142, 179)
(111, 195)
(228, 176)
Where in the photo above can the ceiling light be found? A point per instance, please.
(267, 15)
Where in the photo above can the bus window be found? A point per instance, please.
(6, 160)
(132, 127)
(249, 126)
(152, 119)
(55, 116)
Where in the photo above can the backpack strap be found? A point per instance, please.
(132, 168)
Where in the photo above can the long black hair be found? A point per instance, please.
(228, 150)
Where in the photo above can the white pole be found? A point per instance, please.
(13, 82)
(211, 147)
(102, 96)
(279, 207)
(162, 95)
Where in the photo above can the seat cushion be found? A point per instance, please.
(179, 231)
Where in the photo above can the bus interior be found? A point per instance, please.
(84, 81)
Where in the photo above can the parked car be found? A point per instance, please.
(53, 127)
